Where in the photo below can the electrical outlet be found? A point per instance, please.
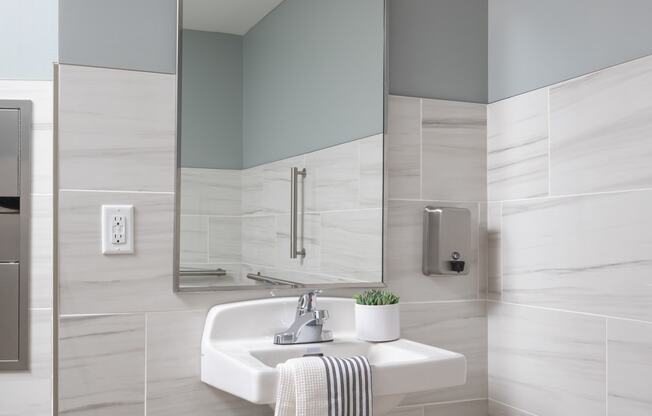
(117, 229)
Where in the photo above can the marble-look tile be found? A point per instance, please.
(494, 254)
(42, 161)
(547, 362)
(174, 387)
(352, 244)
(371, 171)
(333, 178)
(629, 360)
(193, 231)
(469, 408)
(309, 238)
(454, 151)
(456, 326)
(252, 191)
(259, 240)
(41, 253)
(404, 148)
(117, 129)
(500, 409)
(210, 191)
(517, 146)
(600, 126)
(102, 365)
(589, 253)
(224, 244)
(407, 411)
(403, 253)
(29, 393)
(90, 282)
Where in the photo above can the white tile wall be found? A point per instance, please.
(569, 266)
(600, 126)
(517, 147)
(404, 136)
(120, 124)
(149, 336)
(629, 358)
(546, 362)
(111, 348)
(454, 146)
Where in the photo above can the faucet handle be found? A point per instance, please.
(307, 302)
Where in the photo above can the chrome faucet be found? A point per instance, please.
(308, 323)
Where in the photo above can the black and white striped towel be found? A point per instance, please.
(325, 386)
(348, 383)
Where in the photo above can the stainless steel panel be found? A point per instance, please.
(9, 312)
(446, 241)
(9, 237)
(9, 152)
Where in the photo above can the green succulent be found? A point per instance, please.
(376, 297)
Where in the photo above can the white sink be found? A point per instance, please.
(239, 357)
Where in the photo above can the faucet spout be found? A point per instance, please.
(308, 323)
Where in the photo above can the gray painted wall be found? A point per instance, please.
(28, 39)
(313, 77)
(129, 34)
(211, 100)
(438, 49)
(534, 43)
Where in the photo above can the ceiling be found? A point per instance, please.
(226, 16)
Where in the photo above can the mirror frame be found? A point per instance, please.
(177, 187)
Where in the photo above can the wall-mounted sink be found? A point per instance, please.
(239, 357)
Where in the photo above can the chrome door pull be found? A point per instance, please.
(294, 207)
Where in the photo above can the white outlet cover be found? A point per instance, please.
(114, 218)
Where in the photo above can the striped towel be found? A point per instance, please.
(324, 386)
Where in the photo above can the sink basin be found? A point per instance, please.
(238, 356)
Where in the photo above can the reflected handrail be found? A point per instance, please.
(203, 272)
(273, 281)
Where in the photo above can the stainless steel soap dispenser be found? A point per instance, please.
(446, 241)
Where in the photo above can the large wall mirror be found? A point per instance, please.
(281, 144)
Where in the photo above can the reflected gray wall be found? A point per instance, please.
(438, 49)
(128, 34)
(28, 39)
(211, 100)
(535, 43)
(313, 77)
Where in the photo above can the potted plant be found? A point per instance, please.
(377, 316)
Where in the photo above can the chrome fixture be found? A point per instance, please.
(308, 323)
(294, 206)
(446, 241)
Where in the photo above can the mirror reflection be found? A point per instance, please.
(281, 143)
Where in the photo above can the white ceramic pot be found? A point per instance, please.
(378, 323)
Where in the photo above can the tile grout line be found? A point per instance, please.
(512, 407)
(606, 366)
(547, 308)
(420, 148)
(145, 381)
